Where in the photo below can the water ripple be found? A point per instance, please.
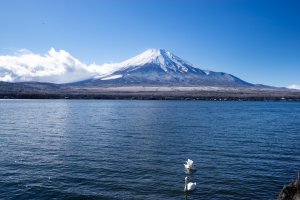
(58, 149)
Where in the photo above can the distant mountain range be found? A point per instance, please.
(154, 74)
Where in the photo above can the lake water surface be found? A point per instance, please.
(110, 149)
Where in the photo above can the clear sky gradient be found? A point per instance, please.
(256, 40)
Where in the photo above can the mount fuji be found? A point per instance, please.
(154, 74)
(159, 67)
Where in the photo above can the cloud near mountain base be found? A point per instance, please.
(294, 86)
(54, 67)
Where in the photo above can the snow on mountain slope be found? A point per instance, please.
(161, 67)
(165, 59)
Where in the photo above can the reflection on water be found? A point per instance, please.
(60, 149)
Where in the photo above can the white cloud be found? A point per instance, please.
(54, 66)
(6, 78)
(294, 86)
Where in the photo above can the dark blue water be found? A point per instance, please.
(64, 149)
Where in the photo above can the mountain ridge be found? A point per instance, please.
(161, 67)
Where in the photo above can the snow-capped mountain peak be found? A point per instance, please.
(158, 57)
(155, 56)
(161, 67)
(165, 59)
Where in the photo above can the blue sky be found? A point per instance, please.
(256, 40)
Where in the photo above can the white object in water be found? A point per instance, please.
(190, 165)
(189, 186)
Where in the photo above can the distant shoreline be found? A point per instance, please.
(207, 96)
(35, 90)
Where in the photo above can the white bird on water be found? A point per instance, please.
(190, 165)
(189, 186)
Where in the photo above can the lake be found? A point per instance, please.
(122, 149)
